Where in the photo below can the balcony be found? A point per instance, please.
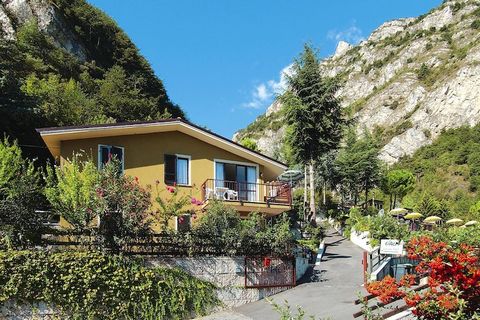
(271, 198)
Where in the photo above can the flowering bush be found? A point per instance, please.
(124, 205)
(104, 203)
(453, 273)
(174, 205)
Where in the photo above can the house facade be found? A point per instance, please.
(176, 152)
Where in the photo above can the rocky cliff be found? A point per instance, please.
(14, 13)
(411, 79)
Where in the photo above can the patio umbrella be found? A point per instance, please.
(471, 223)
(413, 216)
(291, 175)
(432, 219)
(454, 221)
(398, 211)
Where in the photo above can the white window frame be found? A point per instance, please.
(189, 178)
(99, 155)
(248, 164)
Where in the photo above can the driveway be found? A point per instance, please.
(328, 292)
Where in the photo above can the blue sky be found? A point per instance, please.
(220, 60)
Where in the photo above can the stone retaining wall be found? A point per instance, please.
(228, 273)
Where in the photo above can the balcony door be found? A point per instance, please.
(238, 177)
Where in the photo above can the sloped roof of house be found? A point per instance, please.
(55, 135)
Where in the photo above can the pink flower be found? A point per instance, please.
(180, 219)
(170, 189)
(194, 201)
(194, 216)
(136, 179)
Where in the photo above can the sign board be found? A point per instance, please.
(391, 246)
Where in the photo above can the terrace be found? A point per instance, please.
(271, 198)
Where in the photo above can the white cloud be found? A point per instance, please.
(263, 94)
(352, 34)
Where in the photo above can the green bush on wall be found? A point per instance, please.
(91, 285)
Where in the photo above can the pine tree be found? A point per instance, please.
(313, 114)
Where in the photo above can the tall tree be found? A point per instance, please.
(358, 165)
(397, 183)
(313, 114)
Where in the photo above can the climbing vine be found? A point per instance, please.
(91, 285)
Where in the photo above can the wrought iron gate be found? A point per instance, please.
(267, 272)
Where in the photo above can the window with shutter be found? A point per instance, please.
(177, 170)
(170, 169)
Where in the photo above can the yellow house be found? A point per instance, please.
(199, 162)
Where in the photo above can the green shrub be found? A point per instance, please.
(90, 285)
(20, 196)
(71, 191)
(475, 24)
(250, 143)
(253, 235)
(423, 72)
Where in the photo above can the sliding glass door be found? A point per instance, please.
(237, 177)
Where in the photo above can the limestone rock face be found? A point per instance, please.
(342, 47)
(49, 20)
(411, 79)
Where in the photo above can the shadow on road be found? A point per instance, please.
(313, 274)
(331, 256)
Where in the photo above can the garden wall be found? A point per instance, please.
(228, 274)
(12, 310)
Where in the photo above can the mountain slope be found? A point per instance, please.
(411, 79)
(64, 62)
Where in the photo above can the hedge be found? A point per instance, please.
(92, 285)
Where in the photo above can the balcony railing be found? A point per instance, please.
(270, 193)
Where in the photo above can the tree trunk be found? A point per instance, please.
(394, 201)
(324, 193)
(391, 199)
(366, 195)
(312, 191)
(305, 195)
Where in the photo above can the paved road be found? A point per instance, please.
(333, 287)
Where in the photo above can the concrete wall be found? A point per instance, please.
(361, 239)
(301, 266)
